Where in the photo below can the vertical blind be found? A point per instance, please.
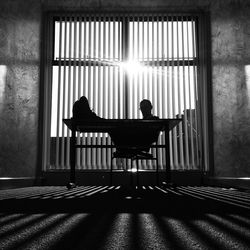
(116, 60)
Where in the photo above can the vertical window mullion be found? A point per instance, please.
(168, 80)
(90, 86)
(144, 89)
(46, 163)
(94, 93)
(74, 87)
(125, 58)
(59, 117)
(74, 61)
(152, 90)
(80, 58)
(119, 59)
(158, 102)
(109, 84)
(158, 90)
(195, 122)
(164, 87)
(194, 82)
(138, 74)
(84, 85)
(101, 59)
(179, 94)
(69, 99)
(95, 88)
(132, 75)
(148, 60)
(101, 82)
(109, 47)
(184, 122)
(78, 159)
(104, 69)
(63, 156)
(190, 152)
(173, 80)
(90, 60)
(115, 82)
(99, 93)
(105, 92)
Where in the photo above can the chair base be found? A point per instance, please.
(133, 154)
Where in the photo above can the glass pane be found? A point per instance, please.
(88, 40)
(161, 40)
(103, 86)
(160, 67)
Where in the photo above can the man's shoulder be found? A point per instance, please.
(151, 117)
(154, 117)
(77, 104)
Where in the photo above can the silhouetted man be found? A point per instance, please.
(82, 111)
(137, 141)
(150, 135)
(146, 109)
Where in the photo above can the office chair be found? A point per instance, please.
(135, 153)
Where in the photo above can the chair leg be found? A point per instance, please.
(111, 172)
(157, 168)
(137, 172)
(131, 173)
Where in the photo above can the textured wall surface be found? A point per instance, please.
(19, 86)
(231, 96)
(20, 24)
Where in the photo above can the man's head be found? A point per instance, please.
(146, 107)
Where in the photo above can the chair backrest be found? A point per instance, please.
(134, 137)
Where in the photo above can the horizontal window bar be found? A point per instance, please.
(101, 63)
(125, 17)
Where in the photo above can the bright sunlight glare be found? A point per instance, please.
(132, 67)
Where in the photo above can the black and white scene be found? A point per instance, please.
(124, 125)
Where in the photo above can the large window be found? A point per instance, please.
(116, 60)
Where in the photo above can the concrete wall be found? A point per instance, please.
(19, 86)
(20, 25)
(231, 88)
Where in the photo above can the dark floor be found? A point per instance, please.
(104, 217)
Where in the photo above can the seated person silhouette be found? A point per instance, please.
(137, 141)
(82, 111)
(146, 109)
(149, 136)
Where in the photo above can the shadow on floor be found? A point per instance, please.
(151, 199)
(114, 217)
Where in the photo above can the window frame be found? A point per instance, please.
(202, 61)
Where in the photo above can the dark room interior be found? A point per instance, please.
(158, 158)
